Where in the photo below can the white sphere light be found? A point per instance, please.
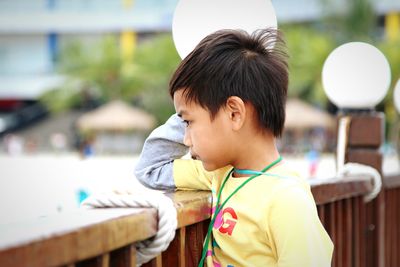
(195, 19)
(356, 75)
(396, 96)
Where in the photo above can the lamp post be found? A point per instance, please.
(356, 77)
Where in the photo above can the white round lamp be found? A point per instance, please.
(195, 19)
(356, 75)
(396, 96)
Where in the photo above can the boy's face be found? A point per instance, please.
(207, 139)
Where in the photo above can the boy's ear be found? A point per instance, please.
(236, 110)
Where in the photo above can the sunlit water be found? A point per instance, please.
(34, 186)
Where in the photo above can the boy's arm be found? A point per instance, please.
(165, 144)
(160, 166)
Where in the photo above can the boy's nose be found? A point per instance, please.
(186, 140)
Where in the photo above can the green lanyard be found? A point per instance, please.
(219, 208)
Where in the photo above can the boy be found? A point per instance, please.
(229, 95)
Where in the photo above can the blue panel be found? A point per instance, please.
(51, 4)
(53, 46)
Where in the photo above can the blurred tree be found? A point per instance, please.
(310, 44)
(100, 70)
(102, 66)
(63, 98)
(391, 49)
(159, 59)
(357, 21)
(349, 20)
(308, 48)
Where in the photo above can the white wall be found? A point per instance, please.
(24, 54)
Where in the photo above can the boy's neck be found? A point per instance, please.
(256, 153)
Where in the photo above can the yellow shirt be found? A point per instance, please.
(271, 221)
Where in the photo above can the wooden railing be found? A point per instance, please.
(342, 211)
(391, 186)
(107, 237)
(104, 237)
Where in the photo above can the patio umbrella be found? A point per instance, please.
(116, 116)
(300, 115)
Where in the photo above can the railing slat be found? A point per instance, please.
(363, 231)
(156, 262)
(339, 232)
(332, 230)
(100, 261)
(321, 214)
(392, 232)
(170, 257)
(105, 260)
(388, 229)
(396, 207)
(159, 261)
(349, 232)
(357, 237)
(194, 242)
(182, 245)
(370, 234)
(392, 226)
(124, 257)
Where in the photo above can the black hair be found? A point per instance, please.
(234, 63)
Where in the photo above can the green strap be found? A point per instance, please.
(219, 208)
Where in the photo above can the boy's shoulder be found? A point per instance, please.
(284, 178)
(285, 173)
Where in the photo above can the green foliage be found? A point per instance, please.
(308, 48)
(349, 20)
(61, 99)
(144, 78)
(391, 51)
(310, 44)
(360, 19)
(101, 68)
(159, 59)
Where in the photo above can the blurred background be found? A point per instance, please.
(83, 82)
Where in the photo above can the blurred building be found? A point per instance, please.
(32, 34)
(298, 11)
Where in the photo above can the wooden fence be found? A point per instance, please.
(391, 186)
(107, 237)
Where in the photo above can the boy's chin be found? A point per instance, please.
(209, 167)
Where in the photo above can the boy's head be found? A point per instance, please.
(228, 89)
(233, 63)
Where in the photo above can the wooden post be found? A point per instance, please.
(124, 257)
(365, 136)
